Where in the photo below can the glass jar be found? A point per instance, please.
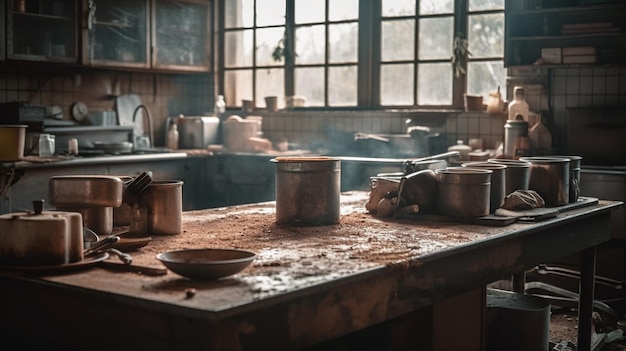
(46, 145)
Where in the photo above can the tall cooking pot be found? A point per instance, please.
(308, 190)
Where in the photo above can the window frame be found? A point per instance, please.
(368, 57)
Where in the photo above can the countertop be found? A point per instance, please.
(306, 285)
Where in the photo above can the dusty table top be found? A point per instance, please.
(288, 258)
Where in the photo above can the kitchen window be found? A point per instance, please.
(347, 54)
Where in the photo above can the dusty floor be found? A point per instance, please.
(564, 327)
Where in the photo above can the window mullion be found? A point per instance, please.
(460, 28)
(368, 91)
(290, 59)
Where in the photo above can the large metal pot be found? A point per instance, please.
(517, 174)
(308, 190)
(463, 192)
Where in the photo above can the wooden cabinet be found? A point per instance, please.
(580, 33)
(152, 34)
(116, 33)
(180, 35)
(42, 30)
(164, 35)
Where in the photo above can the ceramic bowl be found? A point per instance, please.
(206, 263)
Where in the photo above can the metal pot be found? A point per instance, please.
(549, 177)
(517, 174)
(463, 192)
(498, 182)
(308, 190)
(158, 209)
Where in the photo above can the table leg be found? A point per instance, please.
(585, 302)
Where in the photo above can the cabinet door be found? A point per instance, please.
(116, 33)
(42, 30)
(181, 35)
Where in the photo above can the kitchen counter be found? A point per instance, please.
(307, 285)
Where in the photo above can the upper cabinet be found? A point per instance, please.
(164, 35)
(42, 30)
(156, 34)
(565, 32)
(180, 35)
(117, 33)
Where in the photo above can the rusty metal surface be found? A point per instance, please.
(307, 285)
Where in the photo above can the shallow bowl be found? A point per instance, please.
(206, 263)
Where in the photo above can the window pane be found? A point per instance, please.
(267, 40)
(269, 12)
(396, 84)
(239, 13)
(398, 40)
(486, 35)
(485, 77)
(310, 85)
(237, 86)
(343, 42)
(435, 38)
(434, 84)
(238, 48)
(309, 11)
(269, 82)
(431, 7)
(310, 46)
(342, 86)
(398, 8)
(479, 5)
(343, 9)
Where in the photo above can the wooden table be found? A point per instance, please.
(307, 287)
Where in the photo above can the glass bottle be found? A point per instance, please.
(220, 106)
(518, 106)
(172, 137)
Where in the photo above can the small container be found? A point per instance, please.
(72, 146)
(12, 140)
(46, 145)
(518, 106)
(513, 129)
(220, 105)
(172, 137)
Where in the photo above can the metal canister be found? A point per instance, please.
(513, 129)
(308, 190)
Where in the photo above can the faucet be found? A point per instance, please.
(150, 131)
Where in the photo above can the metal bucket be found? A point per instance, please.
(549, 177)
(159, 209)
(463, 192)
(498, 182)
(517, 174)
(308, 190)
(574, 176)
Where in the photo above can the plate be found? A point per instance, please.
(206, 263)
(87, 262)
(131, 244)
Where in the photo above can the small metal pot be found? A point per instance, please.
(517, 174)
(549, 177)
(463, 192)
(158, 209)
(498, 182)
